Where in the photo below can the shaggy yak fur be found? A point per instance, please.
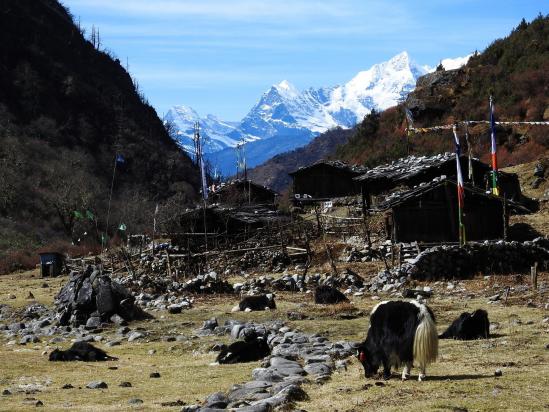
(253, 348)
(400, 333)
(260, 302)
(81, 351)
(469, 326)
(327, 295)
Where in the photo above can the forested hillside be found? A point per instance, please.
(514, 70)
(67, 108)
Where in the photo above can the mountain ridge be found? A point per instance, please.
(290, 118)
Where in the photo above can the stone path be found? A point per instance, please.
(296, 358)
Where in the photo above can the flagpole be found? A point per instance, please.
(460, 193)
(103, 240)
(493, 150)
(203, 179)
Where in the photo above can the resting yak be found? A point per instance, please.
(400, 333)
(469, 326)
(328, 295)
(252, 348)
(81, 351)
(260, 302)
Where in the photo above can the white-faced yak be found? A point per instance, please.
(400, 333)
(81, 351)
(328, 295)
(469, 326)
(260, 302)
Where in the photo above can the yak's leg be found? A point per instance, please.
(406, 370)
(421, 376)
(386, 370)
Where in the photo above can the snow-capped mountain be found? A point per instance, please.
(217, 134)
(286, 118)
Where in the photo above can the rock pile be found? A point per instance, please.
(296, 358)
(207, 283)
(452, 261)
(91, 297)
(301, 283)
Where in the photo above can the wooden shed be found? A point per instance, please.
(429, 214)
(326, 180)
(51, 264)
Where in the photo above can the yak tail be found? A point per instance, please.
(425, 339)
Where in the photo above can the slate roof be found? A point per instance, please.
(407, 167)
(338, 164)
(397, 198)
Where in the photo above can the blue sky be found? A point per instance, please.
(218, 56)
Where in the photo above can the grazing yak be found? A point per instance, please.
(469, 326)
(252, 348)
(400, 333)
(260, 302)
(81, 351)
(328, 295)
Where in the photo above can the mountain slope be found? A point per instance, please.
(515, 70)
(66, 110)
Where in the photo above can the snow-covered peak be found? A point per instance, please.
(286, 89)
(184, 113)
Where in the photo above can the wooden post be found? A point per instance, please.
(504, 216)
(169, 265)
(317, 213)
(330, 258)
(534, 275)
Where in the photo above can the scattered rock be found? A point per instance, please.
(97, 385)
(498, 372)
(135, 335)
(135, 401)
(154, 375)
(125, 384)
(67, 386)
(6, 392)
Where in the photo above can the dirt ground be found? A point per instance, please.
(462, 378)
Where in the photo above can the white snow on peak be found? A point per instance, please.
(451, 64)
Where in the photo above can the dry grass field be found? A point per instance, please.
(462, 378)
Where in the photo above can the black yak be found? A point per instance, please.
(252, 348)
(81, 351)
(400, 333)
(469, 326)
(328, 295)
(260, 302)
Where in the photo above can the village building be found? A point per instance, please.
(325, 180)
(230, 220)
(240, 192)
(411, 171)
(429, 213)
